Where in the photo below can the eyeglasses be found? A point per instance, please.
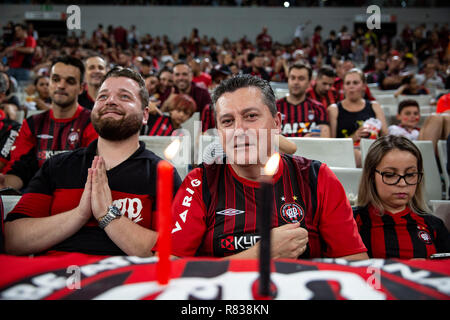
(391, 178)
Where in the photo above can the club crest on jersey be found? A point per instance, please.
(424, 236)
(230, 212)
(292, 212)
(73, 137)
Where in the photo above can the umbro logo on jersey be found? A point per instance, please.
(44, 136)
(230, 212)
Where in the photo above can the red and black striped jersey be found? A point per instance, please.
(158, 126)
(2, 230)
(207, 118)
(298, 120)
(339, 87)
(326, 100)
(215, 211)
(9, 130)
(59, 184)
(404, 235)
(42, 136)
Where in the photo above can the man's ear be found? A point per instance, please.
(82, 85)
(145, 118)
(277, 121)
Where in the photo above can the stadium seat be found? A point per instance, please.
(194, 127)
(20, 116)
(9, 202)
(364, 147)
(442, 153)
(386, 99)
(33, 112)
(349, 178)
(433, 184)
(181, 161)
(335, 152)
(441, 209)
(422, 99)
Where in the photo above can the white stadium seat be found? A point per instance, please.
(158, 144)
(442, 152)
(9, 202)
(349, 178)
(335, 152)
(441, 209)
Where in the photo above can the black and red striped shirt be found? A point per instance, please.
(326, 100)
(403, 235)
(298, 120)
(59, 185)
(158, 126)
(215, 210)
(42, 136)
(207, 118)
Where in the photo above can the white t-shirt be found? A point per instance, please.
(397, 130)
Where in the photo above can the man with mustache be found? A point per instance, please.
(97, 200)
(215, 210)
(65, 126)
(96, 69)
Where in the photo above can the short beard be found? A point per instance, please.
(117, 130)
(64, 105)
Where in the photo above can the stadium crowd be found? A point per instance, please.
(326, 86)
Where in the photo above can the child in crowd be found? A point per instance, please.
(180, 108)
(392, 216)
(408, 115)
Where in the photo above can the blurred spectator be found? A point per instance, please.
(200, 77)
(165, 77)
(408, 116)
(322, 88)
(152, 83)
(394, 76)
(180, 107)
(21, 54)
(379, 74)
(256, 66)
(182, 78)
(11, 103)
(349, 117)
(8, 128)
(300, 115)
(96, 69)
(264, 40)
(65, 126)
(430, 79)
(410, 87)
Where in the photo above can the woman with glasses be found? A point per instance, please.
(392, 216)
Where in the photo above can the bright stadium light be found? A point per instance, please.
(286, 4)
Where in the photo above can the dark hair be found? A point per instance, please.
(94, 55)
(300, 65)
(246, 81)
(165, 69)
(326, 71)
(3, 85)
(178, 63)
(407, 103)
(72, 61)
(133, 75)
(39, 78)
(20, 25)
